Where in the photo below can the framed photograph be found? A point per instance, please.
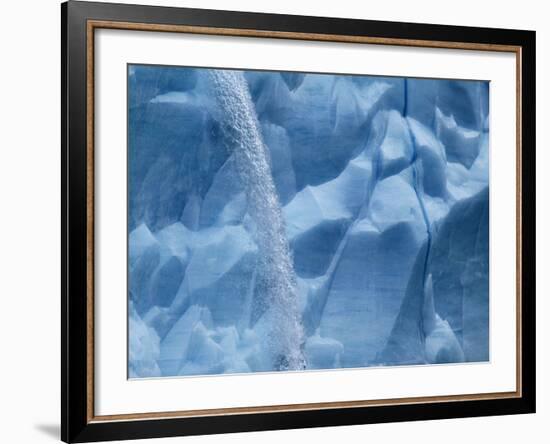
(275, 221)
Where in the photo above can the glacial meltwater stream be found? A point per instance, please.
(275, 269)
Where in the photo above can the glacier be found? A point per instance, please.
(284, 221)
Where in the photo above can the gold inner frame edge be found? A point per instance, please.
(104, 24)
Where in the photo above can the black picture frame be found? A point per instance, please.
(77, 425)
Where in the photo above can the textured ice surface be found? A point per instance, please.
(288, 221)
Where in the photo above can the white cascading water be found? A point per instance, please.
(242, 131)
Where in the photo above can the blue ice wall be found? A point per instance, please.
(380, 186)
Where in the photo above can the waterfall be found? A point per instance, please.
(275, 267)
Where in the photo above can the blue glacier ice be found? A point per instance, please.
(295, 221)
